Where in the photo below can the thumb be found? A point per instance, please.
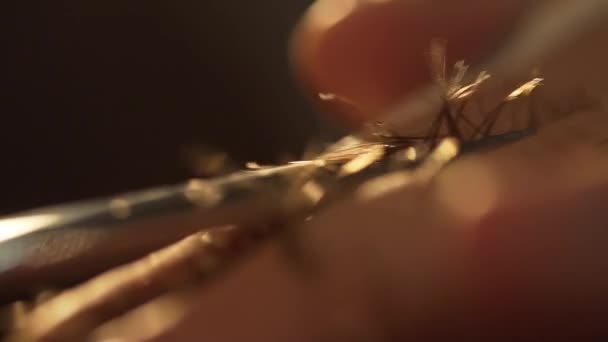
(372, 52)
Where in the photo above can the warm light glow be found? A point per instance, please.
(362, 161)
(525, 89)
(327, 96)
(253, 165)
(411, 154)
(147, 321)
(120, 208)
(324, 14)
(313, 191)
(206, 238)
(14, 227)
(202, 193)
(331, 97)
(468, 190)
(384, 185)
(465, 92)
(447, 149)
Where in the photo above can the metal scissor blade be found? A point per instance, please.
(60, 245)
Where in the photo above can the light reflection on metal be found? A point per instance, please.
(120, 208)
(203, 193)
(14, 227)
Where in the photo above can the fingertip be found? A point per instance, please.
(373, 52)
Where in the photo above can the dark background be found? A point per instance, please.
(103, 96)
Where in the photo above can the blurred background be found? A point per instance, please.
(105, 96)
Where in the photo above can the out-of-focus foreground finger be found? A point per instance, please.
(375, 52)
(74, 313)
(507, 242)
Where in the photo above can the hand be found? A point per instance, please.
(503, 245)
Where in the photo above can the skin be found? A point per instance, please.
(504, 245)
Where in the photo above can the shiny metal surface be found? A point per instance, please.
(59, 245)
